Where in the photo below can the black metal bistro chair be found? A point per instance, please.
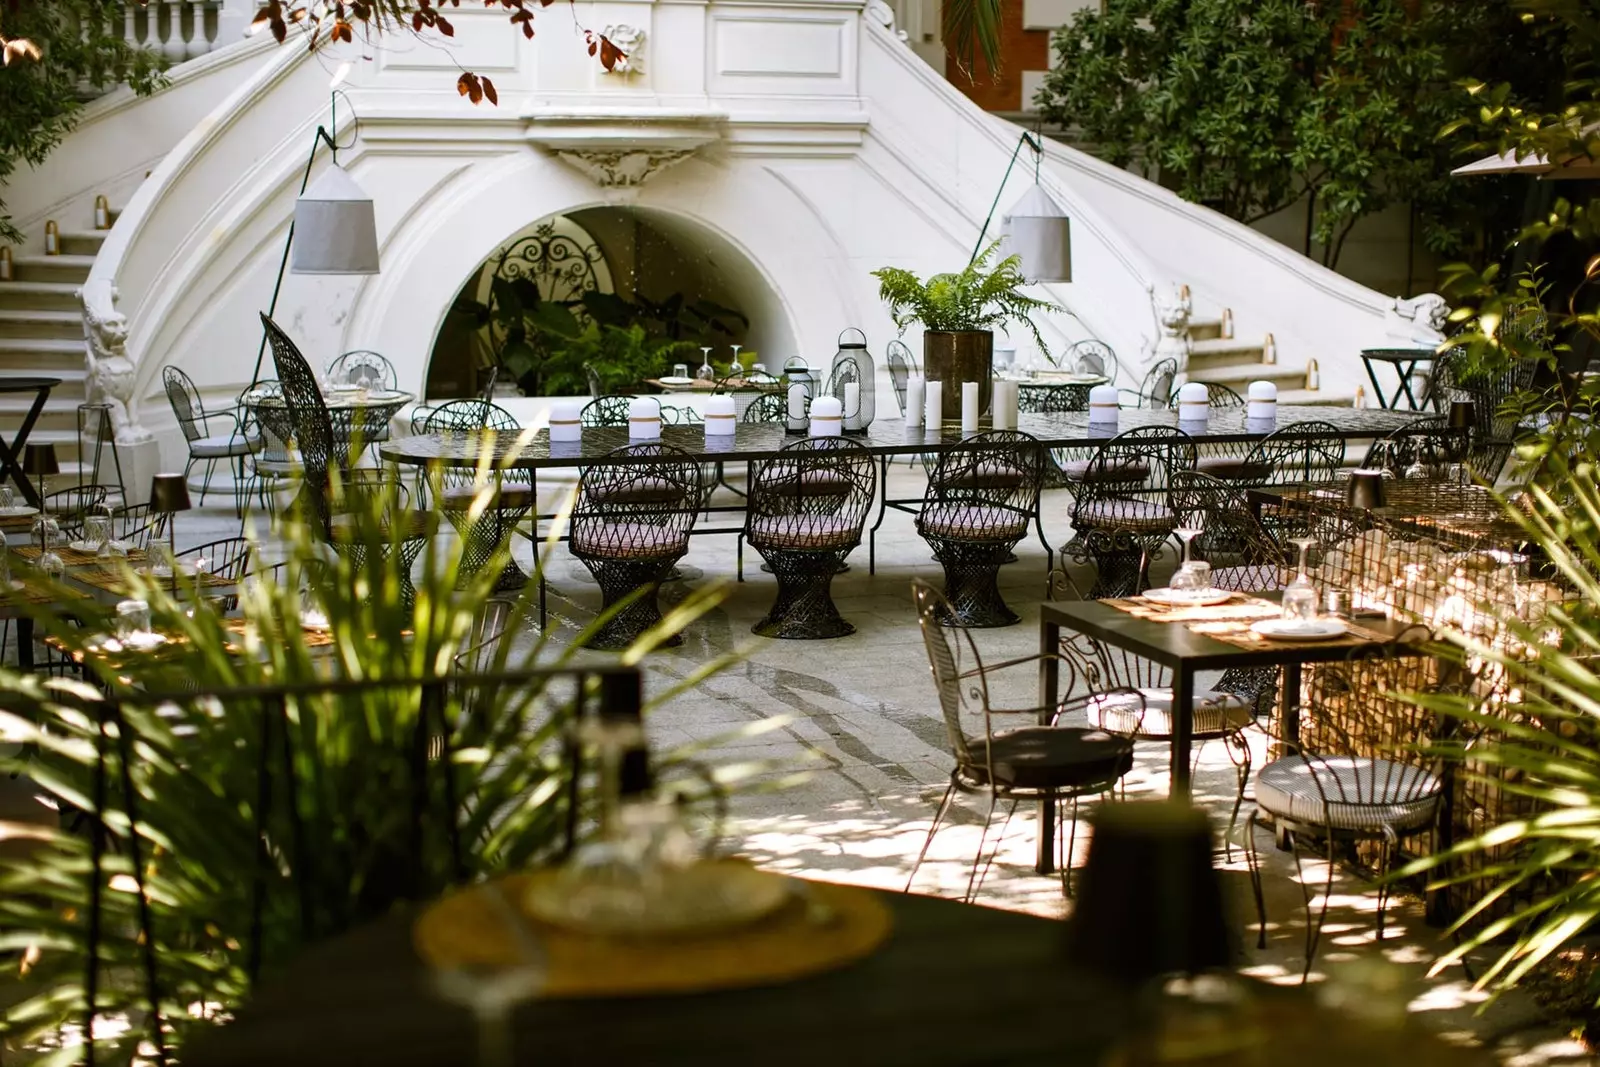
(71, 505)
(1425, 448)
(1155, 391)
(1091, 356)
(979, 501)
(363, 367)
(210, 435)
(806, 511)
(1334, 788)
(1121, 514)
(226, 559)
(459, 488)
(1219, 397)
(768, 407)
(630, 525)
(1008, 756)
(605, 411)
(329, 483)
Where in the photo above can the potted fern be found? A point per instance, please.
(959, 313)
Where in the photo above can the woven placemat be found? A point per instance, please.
(73, 557)
(1231, 622)
(822, 928)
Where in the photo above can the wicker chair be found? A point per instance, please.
(1331, 788)
(211, 435)
(630, 525)
(1005, 762)
(977, 507)
(458, 488)
(1090, 356)
(901, 366)
(806, 512)
(328, 482)
(363, 367)
(1155, 391)
(1121, 515)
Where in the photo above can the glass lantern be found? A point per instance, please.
(851, 380)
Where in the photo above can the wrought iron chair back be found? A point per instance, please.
(998, 469)
(657, 488)
(1302, 453)
(768, 407)
(313, 428)
(1424, 447)
(606, 411)
(186, 403)
(135, 525)
(362, 366)
(70, 505)
(597, 388)
(1243, 554)
(1092, 356)
(1218, 396)
(901, 366)
(831, 478)
(1156, 388)
(957, 669)
(1132, 471)
(457, 416)
(275, 432)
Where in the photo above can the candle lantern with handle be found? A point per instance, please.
(800, 388)
(853, 366)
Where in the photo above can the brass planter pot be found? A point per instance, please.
(953, 357)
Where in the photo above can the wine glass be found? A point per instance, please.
(1300, 595)
(47, 531)
(8, 498)
(96, 532)
(736, 369)
(1184, 578)
(705, 373)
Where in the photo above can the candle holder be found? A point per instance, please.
(851, 380)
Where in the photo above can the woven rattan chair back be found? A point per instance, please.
(1000, 468)
(901, 367)
(312, 428)
(1092, 356)
(363, 366)
(1243, 554)
(1301, 453)
(831, 479)
(185, 401)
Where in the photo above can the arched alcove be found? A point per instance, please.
(673, 277)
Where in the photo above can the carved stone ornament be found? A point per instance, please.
(1172, 316)
(111, 373)
(624, 167)
(630, 39)
(1419, 320)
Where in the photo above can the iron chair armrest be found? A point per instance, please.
(990, 668)
(1081, 702)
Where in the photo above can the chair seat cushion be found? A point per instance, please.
(808, 483)
(510, 495)
(813, 533)
(409, 525)
(1251, 578)
(972, 522)
(1232, 468)
(641, 490)
(1361, 793)
(1122, 470)
(1051, 757)
(986, 476)
(1124, 515)
(628, 540)
(223, 444)
(1214, 713)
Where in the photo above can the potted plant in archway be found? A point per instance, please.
(959, 313)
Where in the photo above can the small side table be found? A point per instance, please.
(11, 454)
(1404, 361)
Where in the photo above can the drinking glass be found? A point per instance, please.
(133, 617)
(1300, 595)
(705, 373)
(680, 370)
(1194, 578)
(8, 498)
(1184, 578)
(47, 531)
(162, 564)
(736, 369)
(96, 532)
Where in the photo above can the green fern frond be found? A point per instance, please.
(977, 297)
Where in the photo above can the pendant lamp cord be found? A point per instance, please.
(1038, 153)
(325, 135)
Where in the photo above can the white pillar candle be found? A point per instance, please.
(720, 419)
(933, 406)
(566, 423)
(915, 391)
(644, 419)
(1103, 405)
(997, 404)
(852, 398)
(969, 407)
(797, 405)
(1194, 404)
(827, 416)
(1263, 398)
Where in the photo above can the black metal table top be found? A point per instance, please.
(1175, 645)
(27, 385)
(1399, 355)
(759, 441)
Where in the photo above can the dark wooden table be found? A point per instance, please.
(954, 984)
(1184, 653)
(1404, 361)
(11, 454)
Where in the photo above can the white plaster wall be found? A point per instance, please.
(839, 151)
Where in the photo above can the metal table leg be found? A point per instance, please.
(1049, 697)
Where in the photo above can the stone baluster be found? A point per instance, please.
(171, 25)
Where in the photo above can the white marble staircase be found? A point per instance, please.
(1215, 355)
(41, 334)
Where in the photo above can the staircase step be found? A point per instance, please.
(53, 268)
(17, 353)
(1205, 329)
(1240, 375)
(1220, 351)
(1315, 398)
(40, 296)
(82, 242)
(31, 323)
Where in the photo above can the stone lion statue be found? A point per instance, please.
(111, 373)
(1419, 320)
(1172, 312)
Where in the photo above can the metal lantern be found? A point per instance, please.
(852, 379)
(335, 229)
(800, 388)
(1040, 232)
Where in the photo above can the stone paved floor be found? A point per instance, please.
(860, 724)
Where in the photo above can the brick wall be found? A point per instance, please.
(1020, 50)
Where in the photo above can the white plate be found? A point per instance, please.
(143, 641)
(1186, 599)
(21, 512)
(345, 388)
(1300, 630)
(84, 546)
(675, 380)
